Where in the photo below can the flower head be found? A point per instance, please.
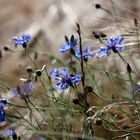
(114, 44)
(65, 80)
(69, 44)
(86, 53)
(23, 40)
(24, 90)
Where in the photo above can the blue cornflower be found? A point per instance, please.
(23, 40)
(3, 103)
(86, 53)
(114, 44)
(65, 80)
(11, 133)
(24, 91)
(70, 44)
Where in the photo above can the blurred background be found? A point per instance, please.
(48, 21)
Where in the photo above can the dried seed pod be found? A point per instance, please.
(97, 6)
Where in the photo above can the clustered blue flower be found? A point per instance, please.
(64, 80)
(70, 45)
(114, 44)
(25, 89)
(3, 103)
(23, 40)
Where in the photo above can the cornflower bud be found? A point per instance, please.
(38, 73)
(29, 70)
(88, 89)
(6, 48)
(97, 6)
(129, 68)
(98, 121)
(75, 101)
(135, 22)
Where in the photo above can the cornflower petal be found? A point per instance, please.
(56, 72)
(68, 46)
(58, 78)
(10, 133)
(62, 86)
(15, 92)
(103, 52)
(86, 53)
(119, 39)
(120, 48)
(63, 72)
(24, 39)
(25, 89)
(76, 79)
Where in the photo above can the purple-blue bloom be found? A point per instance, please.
(65, 80)
(87, 53)
(70, 44)
(23, 40)
(54, 72)
(24, 90)
(114, 44)
(3, 103)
